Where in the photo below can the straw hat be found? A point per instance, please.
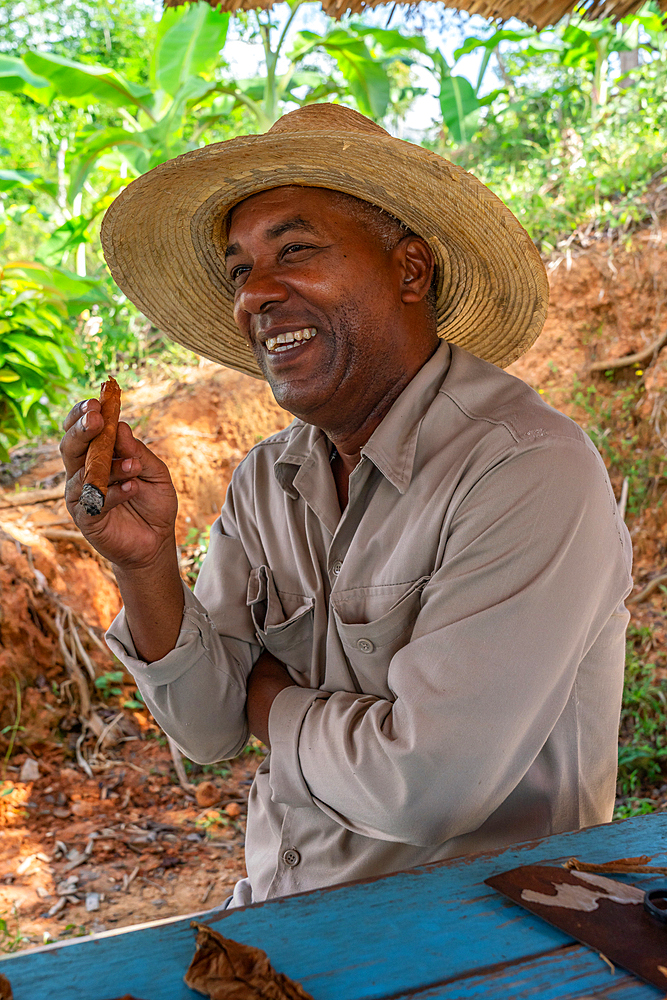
(164, 236)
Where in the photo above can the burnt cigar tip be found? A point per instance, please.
(91, 499)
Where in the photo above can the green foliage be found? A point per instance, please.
(642, 756)
(190, 47)
(103, 93)
(569, 142)
(12, 938)
(38, 357)
(108, 683)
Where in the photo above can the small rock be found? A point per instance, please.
(25, 864)
(233, 810)
(29, 770)
(92, 901)
(207, 794)
(83, 809)
(194, 837)
(67, 886)
(61, 812)
(57, 907)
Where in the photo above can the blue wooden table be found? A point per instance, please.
(433, 933)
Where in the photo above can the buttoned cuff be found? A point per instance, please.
(194, 638)
(286, 716)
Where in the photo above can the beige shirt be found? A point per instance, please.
(456, 636)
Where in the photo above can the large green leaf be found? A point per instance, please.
(14, 75)
(10, 178)
(492, 41)
(81, 83)
(458, 105)
(191, 46)
(66, 237)
(63, 285)
(366, 78)
(390, 40)
(91, 147)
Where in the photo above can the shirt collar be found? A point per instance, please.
(391, 447)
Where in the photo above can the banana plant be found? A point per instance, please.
(38, 355)
(189, 93)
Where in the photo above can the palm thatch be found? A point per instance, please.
(537, 13)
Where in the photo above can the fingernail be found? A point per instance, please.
(85, 421)
(85, 406)
(127, 465)
(126, 487)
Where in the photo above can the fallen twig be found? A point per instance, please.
(180, 768)
(656, 582)
(32, 496)
(80, 759)
(630, 359)
(207, 891)
(622, 503)
(129, 879)
(105, 732)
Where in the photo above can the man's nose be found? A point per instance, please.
(260, 291)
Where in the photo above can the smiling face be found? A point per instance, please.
(338, 320)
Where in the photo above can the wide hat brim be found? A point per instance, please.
(164, 236)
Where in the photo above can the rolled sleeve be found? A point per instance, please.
(288, 711)
(196, 693)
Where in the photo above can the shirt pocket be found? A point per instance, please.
(369, 645)
(283, 622)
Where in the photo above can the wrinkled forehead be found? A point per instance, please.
(314, 210)
(318, 202)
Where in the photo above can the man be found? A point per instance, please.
(414, 593)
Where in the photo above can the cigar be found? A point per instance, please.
(100, 451)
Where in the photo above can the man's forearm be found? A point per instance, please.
(267, 679)
(153, 599)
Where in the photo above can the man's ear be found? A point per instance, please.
(417, 266)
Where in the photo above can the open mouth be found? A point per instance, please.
(288, 341)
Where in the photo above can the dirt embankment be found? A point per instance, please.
(106, 783)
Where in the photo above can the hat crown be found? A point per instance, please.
(326, 118)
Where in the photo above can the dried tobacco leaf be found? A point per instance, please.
(5, 989)
(622, 866)
(223, 969)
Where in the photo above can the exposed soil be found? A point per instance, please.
(105, 824)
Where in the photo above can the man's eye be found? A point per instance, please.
(295, 247)
(237, 272)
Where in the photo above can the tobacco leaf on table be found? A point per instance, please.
(223, 969)
(622, 866)
(5, 989)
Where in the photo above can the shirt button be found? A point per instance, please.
(365, 645)
(291, 857)
(337, 567)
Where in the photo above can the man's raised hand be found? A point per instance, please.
(137, 521)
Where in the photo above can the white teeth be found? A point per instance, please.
(288, 341)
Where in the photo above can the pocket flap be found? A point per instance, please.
(274, 629)
(384, 630)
